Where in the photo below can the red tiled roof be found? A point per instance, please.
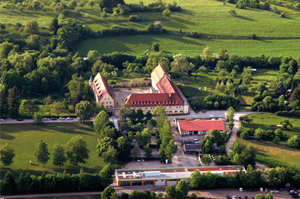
(101, 86)
(200, 125)
(158, 73)
(153, 99)
(165, 85)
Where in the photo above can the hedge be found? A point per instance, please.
(293, 113)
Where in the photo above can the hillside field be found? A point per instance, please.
(23, 138)
(269, 153)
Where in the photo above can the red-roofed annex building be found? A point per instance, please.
(163, 93)
(199, 127)
(102, 92)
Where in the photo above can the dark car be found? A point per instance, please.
(239, 197)
(19, 119)
(246, 197)
(203, 111)
(228, 197)
(295, 196)
(53, 118)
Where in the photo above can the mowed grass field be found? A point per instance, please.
(277, 36)
(269, 153)
(25, 137)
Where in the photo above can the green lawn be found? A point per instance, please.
(269, 153)
(24, 138)
(173, 44)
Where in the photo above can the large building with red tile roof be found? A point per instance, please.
(164, 93)
(199, 127)
(102, 92)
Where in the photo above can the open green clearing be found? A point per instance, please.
(269, 153)
(25, 137)
(172, 44)
(277, 36)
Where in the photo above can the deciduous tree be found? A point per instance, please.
(148, 151)
(59, 156)
(14, 102)
(3, 103)
(84, 110)
(31, 27)
(7, 155)
(41, 153)
(206, 160)
(77, 151)
(54, 26)
(8, 185)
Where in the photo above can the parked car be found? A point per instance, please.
(293, 191)
(246, 197)
(274, 191)
(241, 189)
(19, 119)
(261, 189)
(46, 119)
(203, 111)
(233, 197)
(69, 118)
(53, 118)
(295, 196)
(266, 189)
(2, 120)
(227, 197)
(239, 197)
(61, 118)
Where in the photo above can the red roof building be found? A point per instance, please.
(102, 91)
(186, 127)
(164, 93)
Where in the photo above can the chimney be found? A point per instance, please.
(170, 95)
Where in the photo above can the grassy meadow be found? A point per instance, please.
(25, 137)
(276, 36)
(269, 153)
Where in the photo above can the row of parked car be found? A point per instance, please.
(239, 197)
(60, 118)
(294, 193)
(260, 189)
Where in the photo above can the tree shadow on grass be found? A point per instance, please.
(244, 18)
(6, 136)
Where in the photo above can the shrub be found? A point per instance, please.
(166, 13)
(155, 47)
(253, 36)
(134, 18)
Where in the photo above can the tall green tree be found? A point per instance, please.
(124, 149)
(108, 192)
(206, 160)
(3, 103)
(59, 156)
(140, 114)
(31, 27)
(170, 191)
(180, 65)
(104, 145)
(8, 185)
(143, 138)
(124, 112)
(148, 151)
(230, 113)
(182, 186)
(57, 107)
(41, 153)
(100, 122)
(77, 151)
(14, 102)
(111, 155)
(84, 110)
(28, 107)
(294, 141)
(7, 155)
(54, 26)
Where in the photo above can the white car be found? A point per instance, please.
(61, 118)
(2, 120)
(234, 197)
(241, 189)
(46, 119)
(274, 191)
(69, 118)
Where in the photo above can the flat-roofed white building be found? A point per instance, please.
(167, 176)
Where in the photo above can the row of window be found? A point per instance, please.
(134, 103)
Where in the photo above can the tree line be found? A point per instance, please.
(56, 183)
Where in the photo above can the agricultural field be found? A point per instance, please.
(276, 36)
(269, 153)
(25, 137)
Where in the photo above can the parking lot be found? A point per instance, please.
(222, 193)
